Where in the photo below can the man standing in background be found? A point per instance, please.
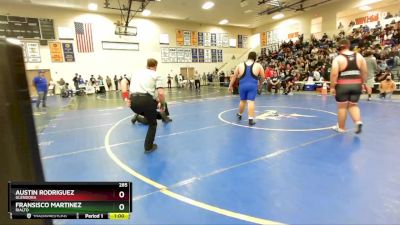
(76, 81)
(116, 82)
(372, 68)
(197, 80)
(40, 83)
(108, 82)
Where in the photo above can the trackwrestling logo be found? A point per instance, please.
(274, 115)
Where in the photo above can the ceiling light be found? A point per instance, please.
(243, 3)
(208, 5)
(278, 16)
(146, 12)
(365, 8)
(92, 6)
(248, 11)
(224, 21)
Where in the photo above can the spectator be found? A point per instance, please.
(61, 82)
(51, 87)
(92, 80)
(372, 68)
(108, 82)
(169, 81)
(40, 83)
(76, 81)
(116, 82)
(387, 87)
(274, 82)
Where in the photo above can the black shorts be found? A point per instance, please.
(348, 92)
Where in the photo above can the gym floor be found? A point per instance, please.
(210, 168)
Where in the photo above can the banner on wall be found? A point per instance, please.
(33, 52)
(201, 55)
(207, 55)
(186, 38)
(225, 40)
(180, 55)
(56, 53)
(263, 39)
(367, 19)
(213, 39)
(293, 35)
(220, 55)
(201, 39)
(244, 41)
(68, 49)
(165, 55)
(172, 55)
(240, 41)
(188, 55)
(214, 55)
(219, 40)
(207, 39)
(179, 38)
(194, 38)
(195, 55)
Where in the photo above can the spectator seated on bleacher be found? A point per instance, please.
(66, 91)
(387, 87)
(274, 82)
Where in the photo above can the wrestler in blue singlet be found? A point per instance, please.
(248, 84)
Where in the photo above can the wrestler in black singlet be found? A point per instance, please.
(349, 84)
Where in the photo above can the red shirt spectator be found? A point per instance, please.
(268, 72)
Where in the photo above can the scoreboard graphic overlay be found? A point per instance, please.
(70, 200)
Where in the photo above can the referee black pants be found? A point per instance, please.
(145, 105)
(197, 84)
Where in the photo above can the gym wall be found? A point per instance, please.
(117, 62)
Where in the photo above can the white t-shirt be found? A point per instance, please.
(145, 81)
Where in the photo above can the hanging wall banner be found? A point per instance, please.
(165, 55)
(180, 55)
(207, 39)
(188, 55)
(225, 40)
(69, 55)
(33, 52)
(213, 39)
(244, 41)
(214, 55)
(194, 38)
(172, 55)
(186, 38)
(220, 55)
(179, 38)
(207, 55)
(219, 40)
(240, 41)
(195, 55)
(56, 52)
(263, 39)
(201, 39)
(201, 55)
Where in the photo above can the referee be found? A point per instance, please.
(145, 86)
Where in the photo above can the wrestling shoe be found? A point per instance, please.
(239, 116)
(337, 129)
(151, 150)
(359, 126)
(251, 122)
